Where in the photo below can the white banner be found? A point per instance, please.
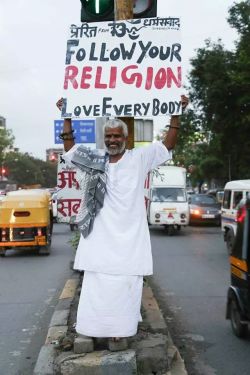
(68, 196)
(123, 68)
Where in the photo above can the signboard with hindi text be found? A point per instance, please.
(68, 196)
(123, 68)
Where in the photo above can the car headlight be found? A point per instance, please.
(194, 211)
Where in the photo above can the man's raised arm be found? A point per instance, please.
(171, 137)
(68, 133)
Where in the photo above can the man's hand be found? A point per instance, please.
(184, 102)
(59, 104)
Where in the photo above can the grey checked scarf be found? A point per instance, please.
(93, 185)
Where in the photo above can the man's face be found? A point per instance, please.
(115, 141)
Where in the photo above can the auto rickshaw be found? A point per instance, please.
(238, 297)
(26, 221)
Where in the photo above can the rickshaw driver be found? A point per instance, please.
(116, 254)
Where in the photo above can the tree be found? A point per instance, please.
(219, 90)
(24, 169)
(6, 141)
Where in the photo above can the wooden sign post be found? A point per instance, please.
(124, 11)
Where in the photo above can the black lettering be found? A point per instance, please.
(80, 55)
(178, 104)
(176, 47)
(146, 108)
(96, 110)
(128, 110)
(77, 111)
(153, 52)
(70, 44)
(144, 50)
(92, 56)
(115, 54)
(64, 110)
(164, 55)
(137, 109)
(118, 110)
(156, 110)
(127, 55)
(102, 54)
(106, 106)
(87, 110)
(164, 108)
(171, 107)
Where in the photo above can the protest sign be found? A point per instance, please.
(68, 195)
(123, 68)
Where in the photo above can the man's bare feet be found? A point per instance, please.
(115, 339)
(116, 344)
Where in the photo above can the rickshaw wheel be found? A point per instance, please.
(2, 253)
(44, 250)
(239, 329)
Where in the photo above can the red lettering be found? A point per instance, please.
(113, 77)
(71, 72)
(160, 79)
(86, 75)
(149, 78)
(98, 84)
(134, 78)
(171, 77)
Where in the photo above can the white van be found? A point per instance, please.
(166, 198)
(234, 192)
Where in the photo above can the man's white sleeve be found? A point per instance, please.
(154, 155)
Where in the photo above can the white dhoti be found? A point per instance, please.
(109, 305)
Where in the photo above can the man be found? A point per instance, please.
(116, 253)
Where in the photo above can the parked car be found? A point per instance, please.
(217, 194)
(204, 208)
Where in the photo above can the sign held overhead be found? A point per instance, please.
(123, 68)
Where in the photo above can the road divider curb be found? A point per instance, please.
(150, 351)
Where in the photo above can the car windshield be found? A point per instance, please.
(168, 195)
(202, 199)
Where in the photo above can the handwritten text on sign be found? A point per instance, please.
(68, 195)
(123, 68)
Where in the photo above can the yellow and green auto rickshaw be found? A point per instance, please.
(26, 221)
(238, 297)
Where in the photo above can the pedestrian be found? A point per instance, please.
(114, 248)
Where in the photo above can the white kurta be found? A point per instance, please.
(120, 243)
(117, 253)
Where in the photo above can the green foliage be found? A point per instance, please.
(25, 169)
(6, 141)
(220, 93)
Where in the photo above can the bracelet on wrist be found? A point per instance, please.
(67, 136)
(174, 127)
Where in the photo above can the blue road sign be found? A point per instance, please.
(84, 131)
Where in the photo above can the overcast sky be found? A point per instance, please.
(33, 36)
